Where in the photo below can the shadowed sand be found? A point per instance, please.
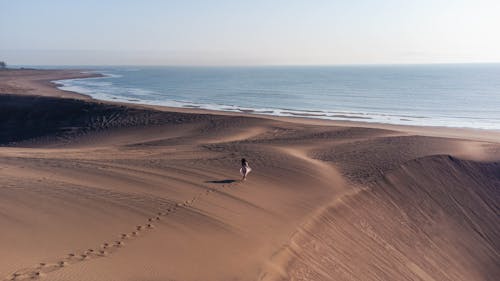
(103, 191)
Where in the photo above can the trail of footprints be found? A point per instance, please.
(103, 250)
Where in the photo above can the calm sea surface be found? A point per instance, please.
(433, 95)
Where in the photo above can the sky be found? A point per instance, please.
(248, 32)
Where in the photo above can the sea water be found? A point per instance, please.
(452, 95)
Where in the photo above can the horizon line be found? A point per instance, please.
(251, 65)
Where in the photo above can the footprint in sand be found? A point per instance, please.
(38, 274)
(42, 268)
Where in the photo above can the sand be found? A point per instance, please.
(105, 191)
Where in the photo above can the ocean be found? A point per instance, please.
(450, 95)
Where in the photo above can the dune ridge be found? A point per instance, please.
(411, 224)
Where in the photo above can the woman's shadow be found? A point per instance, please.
(222, 181)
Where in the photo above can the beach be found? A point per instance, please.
(100, 190)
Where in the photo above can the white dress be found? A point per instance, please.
(244, 171)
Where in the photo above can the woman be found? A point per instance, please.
(245, 169)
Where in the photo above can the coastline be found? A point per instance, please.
(156, 191)
(39, 82)
(451, 132)
(411, 101)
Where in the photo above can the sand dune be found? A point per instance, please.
(102, 191)
(432, 218)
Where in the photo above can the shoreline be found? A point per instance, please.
(424, 112)
(40, 82)
(50, 87)
(490, 135)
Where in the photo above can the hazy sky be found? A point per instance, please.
(248, 32)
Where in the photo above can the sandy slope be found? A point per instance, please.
(81, 181)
